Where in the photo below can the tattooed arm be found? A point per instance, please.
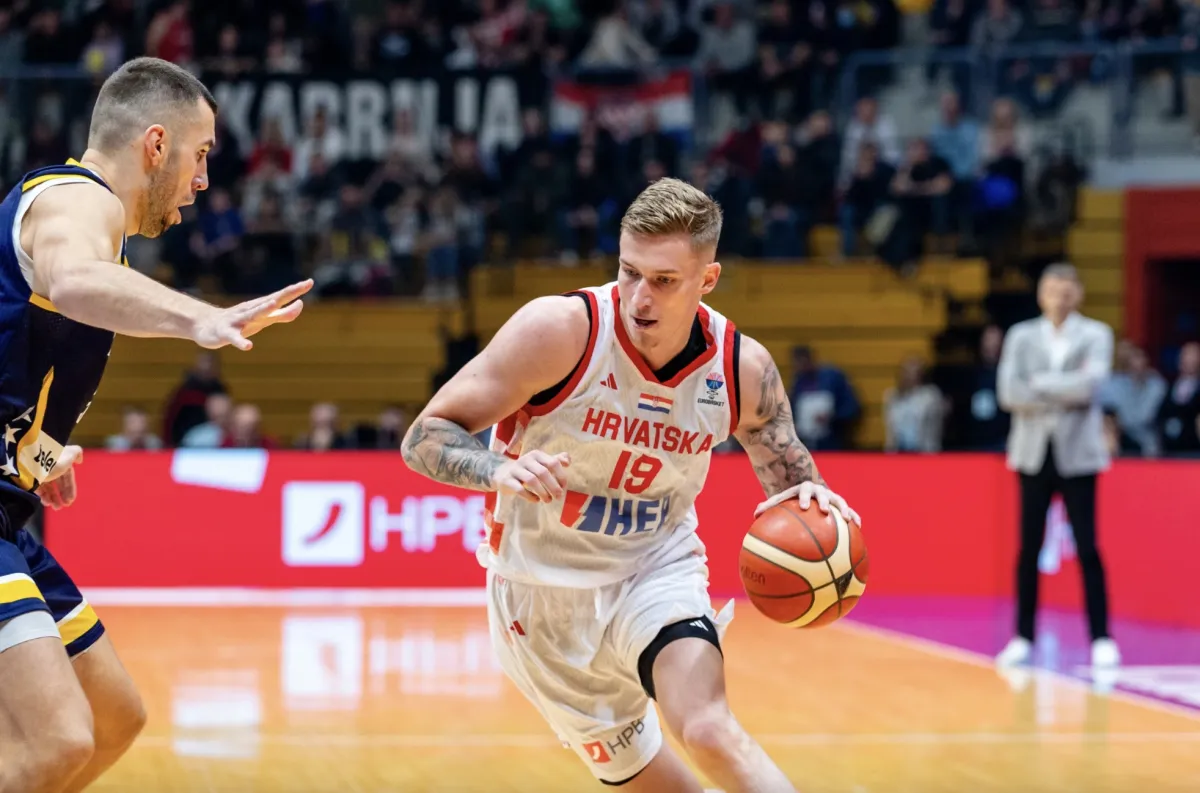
(766, 429)
(441, 443)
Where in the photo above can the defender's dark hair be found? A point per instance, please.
(142, 92)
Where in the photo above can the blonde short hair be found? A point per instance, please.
(671, 206)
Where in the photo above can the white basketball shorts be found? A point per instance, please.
(574, 654)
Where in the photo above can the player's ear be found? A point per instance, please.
(154, 143)
(712, 274)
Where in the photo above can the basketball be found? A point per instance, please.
(801, 567)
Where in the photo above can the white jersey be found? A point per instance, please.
(639, 450)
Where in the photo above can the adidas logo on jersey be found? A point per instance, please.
(610, 381)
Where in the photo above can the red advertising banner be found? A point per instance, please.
(935, 525)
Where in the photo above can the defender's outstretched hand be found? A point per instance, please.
(806, 492)
(236, 324)
(535, 476)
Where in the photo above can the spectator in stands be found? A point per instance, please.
(949, 29)
(186, 407)
(105, 53)
(652, 144)
(398, 41)
(270, 146)
(661, 24)
(404, 227)
(135, 433)
(921, 189)
(232, 58)
(986, 426)
(996, 28)
(824, 405)
(727, 54)
(441, 240)
(956, 139)
(819, 156)
(785, 65)
(283, 53)
(269, 255)
(867, 200)
(245, 430)
(615, 44)
(355, 251)
(913, 410)
(1179, 416)
(1005, 132)
(324, 430)
(386, 433)
(868, 126)
(587, 205)
(321, 138)
(47, 39)
(170, 36)
(223, 228)
(1043, 83)
(533, 202)
(1134, 394)
(1000, 193)
(787, 221)
(218, 409)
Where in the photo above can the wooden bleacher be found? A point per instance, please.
(361, 356)
(1096, 245)
(860, 316)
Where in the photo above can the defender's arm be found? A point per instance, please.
(73, 234)
(766, 429)
(537, 348)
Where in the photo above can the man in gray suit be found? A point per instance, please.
(1049, 372)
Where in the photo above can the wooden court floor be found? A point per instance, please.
(379, 700)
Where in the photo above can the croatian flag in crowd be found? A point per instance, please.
(625, 108)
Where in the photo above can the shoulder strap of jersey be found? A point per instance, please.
(552, 397)
(69, 170)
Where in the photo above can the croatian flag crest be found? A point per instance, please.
(654, 403)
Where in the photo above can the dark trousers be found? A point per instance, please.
(1079, 497)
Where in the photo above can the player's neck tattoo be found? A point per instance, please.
(444, 451)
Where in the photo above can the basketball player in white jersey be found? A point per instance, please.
(606, 404)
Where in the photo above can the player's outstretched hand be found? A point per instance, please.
(535, 476)
(236, 324)
(806, 492)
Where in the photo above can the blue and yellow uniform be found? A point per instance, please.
(50, 368)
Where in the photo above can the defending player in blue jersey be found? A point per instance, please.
(68, 709)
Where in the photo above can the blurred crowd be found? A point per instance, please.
(416, 219)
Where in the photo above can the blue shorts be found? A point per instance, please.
(31, 580)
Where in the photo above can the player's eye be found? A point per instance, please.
(631, 273)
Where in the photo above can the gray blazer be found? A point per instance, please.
(1059, 405)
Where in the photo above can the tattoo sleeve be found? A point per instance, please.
(780, 459)
(442, 450)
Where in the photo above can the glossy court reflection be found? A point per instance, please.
(410, 699)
